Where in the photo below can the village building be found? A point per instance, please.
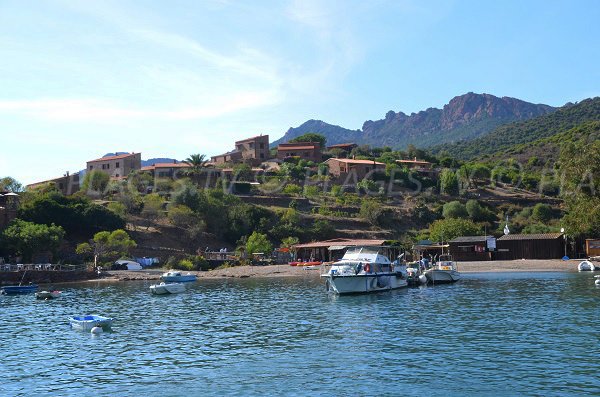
(172, 170)
(357, 169)
(420, 166)
(67, 184)
(472, 248)
(346, 147)
(253, 151)
(531, 246)
(9, 205)
(310, 151)
(592, 247)
(117, 166)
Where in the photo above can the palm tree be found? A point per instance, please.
(197, 163)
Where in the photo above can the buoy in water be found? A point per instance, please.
(422, 279)
(97, 330)
(597, 282)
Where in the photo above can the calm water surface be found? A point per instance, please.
(490, 334)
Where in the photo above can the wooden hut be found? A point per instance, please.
(472, 248)
(531, 246)
(331, 250)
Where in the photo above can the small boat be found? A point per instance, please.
(86, 323)
(174, 276)
(362, 270)
(586, 266)
(19, 289)
(167, 288)
(444, 270)
(47, 294)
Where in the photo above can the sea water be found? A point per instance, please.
(489, 334)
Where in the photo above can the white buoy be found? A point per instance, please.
(423, 279)
(97, 330)
(597, 282)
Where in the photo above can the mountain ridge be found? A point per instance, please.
(465, 116)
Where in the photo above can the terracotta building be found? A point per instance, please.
(67, 184)
(253, 151)
(117, 166)
(341, 168)
(310, 151)
(166, 170)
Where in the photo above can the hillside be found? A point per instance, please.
(520, 133)
(465, 117)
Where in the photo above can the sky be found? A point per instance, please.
(79, 79)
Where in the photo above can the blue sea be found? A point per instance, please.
(491, 334)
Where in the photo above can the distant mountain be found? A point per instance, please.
(508, 137)
(157, 160)
(465, 117)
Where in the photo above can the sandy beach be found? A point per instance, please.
(538, 265)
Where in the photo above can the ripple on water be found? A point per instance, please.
(490, 334)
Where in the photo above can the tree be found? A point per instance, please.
(478, 213)
(10, 184)
(153, 207)
(107, 246)
(454, 209)
(448, 182)
(311, 137)
(258, 242)
(28, 238)
(95, 182)
(542, 212)
(197, 163)
(186, 219)
(447, 229)
(371, 211)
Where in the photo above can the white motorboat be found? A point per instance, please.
(167, 288)
(87, 322)
(586, 266)
(444, 270)
(364, 269)
(177, 277)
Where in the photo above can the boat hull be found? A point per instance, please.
(364, 283)
(19, 289)
(86, 323)
(442, 276)
(179, 279)
(586, 266)
(167, 289)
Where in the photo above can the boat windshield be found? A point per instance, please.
(362, 250)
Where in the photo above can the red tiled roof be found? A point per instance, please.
(412, 162)
(172, 165)
(286, 148)
(341, 145)
(108, 158)
(251, 139)
(342, 241)
(352, 161)
(544, 236)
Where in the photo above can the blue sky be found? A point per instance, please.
(81, 78)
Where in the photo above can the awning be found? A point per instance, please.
(337, 247)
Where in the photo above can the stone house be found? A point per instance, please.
(117, 166)
(68, 184)
(310, 151)
(253, 151)
(355, 169)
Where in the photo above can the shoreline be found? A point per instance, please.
(276, 271)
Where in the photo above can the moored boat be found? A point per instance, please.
(174, 276)
(167, 288)
(586, 266)
(87, 322)
(19, 289)
(444, 270)
(363, 270)
(47, 294)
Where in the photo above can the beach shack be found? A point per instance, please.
(592, 247)
(472, 248)
(332, 250)
(531, 246)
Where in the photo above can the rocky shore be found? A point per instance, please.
(549, 265)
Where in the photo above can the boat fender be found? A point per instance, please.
(327, 285)
(358, 268)
(368, 268)
(97, 330)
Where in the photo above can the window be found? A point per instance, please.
(306, 154)
(60, 185)
(262, 155)
(251, 145)
(262, 145)
(117, 165)
(91, 166)
(117, 175)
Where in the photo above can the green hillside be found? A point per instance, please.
(510, 135)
